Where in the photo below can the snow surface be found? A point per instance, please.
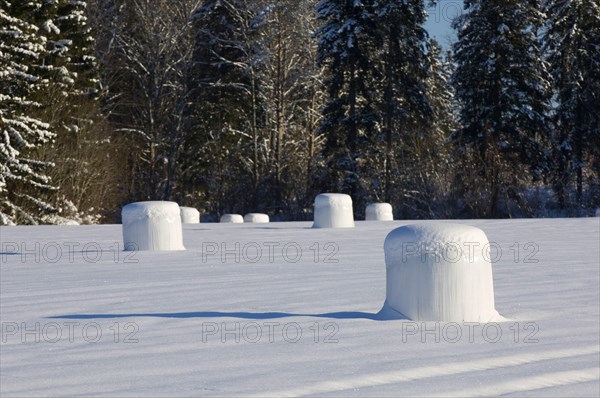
(440, 272)
(152, 225)
(189, 215)
(172, 297)
(257, 218)
(379, 212)
(333, 210)
(232, 219)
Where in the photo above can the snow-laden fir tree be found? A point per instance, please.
(22, 178)
(70, 63)
(347, 47)
(572, 45)
(503, 86)
(403, 108)
(434, 168)
(52, 66)
(440, 92)
(71, 108)
(76, 33)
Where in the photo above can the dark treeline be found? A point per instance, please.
(257, 105)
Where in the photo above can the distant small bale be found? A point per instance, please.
(379, 212)
(256, 218)
(232, 219)
(189, 215)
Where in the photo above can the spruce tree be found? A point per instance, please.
(440, 93)
(404, 109)
(70, 106)
(572, 45)
(347, 47)
(435, 170)
(76, 32)
(22, 178)
(503, 87)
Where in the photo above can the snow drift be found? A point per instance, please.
(153, 226)
(189, 215)
(333, 210)
(379, 212)
(257, 218)
(440, 272)
(232, 219)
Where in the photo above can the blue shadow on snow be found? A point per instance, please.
(385, 314)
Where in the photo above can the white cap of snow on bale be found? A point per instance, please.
(153, 226)
(440, 272)
(232, 219)
(379, 212)
(189, 215)
(257, 218)
(333, 210)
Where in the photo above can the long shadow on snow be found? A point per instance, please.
(385, 314)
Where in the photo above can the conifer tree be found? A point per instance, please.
(70, 105)
(435, 168)
(503, 86)
(347, 46)
(404, 109)
(22, 177)
(572, 45)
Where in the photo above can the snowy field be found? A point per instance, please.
(290, 311)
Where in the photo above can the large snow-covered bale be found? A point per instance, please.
(189, 215)
(153, 226)
(440, 272)
(256, 218)
(333, 210)
(232, 219)
(379, 212)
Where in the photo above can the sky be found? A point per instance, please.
(440, 18)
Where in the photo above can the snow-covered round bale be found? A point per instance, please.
(189, 215)
(379, 212)
(440, 272)
(232, 219)
(153, 226)
(256, 218)
(333, 210)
